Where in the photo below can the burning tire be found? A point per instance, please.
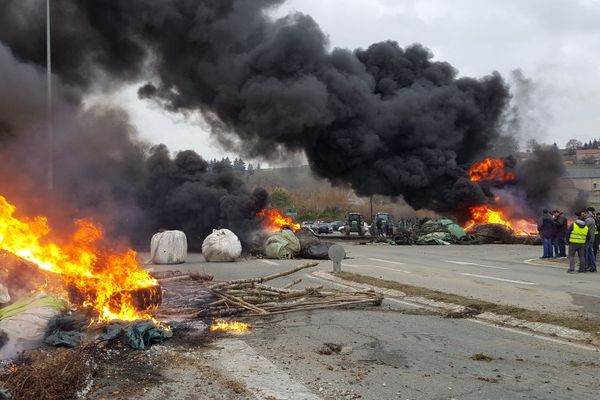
(141, 299)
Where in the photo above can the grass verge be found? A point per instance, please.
(478, 306)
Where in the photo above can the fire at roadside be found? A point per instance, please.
(89, 294)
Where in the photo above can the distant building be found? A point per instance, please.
(590, 155)
(586, 180)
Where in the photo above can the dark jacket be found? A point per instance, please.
(546, 226)
(561, 225)
(581, 224)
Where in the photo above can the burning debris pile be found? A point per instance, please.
(252, 297)
(105, 279)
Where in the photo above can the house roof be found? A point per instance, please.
(582, 173)
(587, 151)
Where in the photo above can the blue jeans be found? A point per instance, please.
(559, 245)
(547, 243)
(590, 259)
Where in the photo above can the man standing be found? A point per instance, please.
(560, 232)
(546, 229)
(590, 259)
(578, 235)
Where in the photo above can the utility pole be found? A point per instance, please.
(371, 209)
(49, 135)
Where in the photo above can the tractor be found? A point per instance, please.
(387, 224)
(354, 223)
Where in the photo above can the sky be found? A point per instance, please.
(555, 43)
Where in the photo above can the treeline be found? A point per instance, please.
(573, 145)
(238, 165)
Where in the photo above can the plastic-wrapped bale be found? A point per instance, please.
(493, 233)
(317, 250)
(307, 237)
(25, 322)
(221, 245)
(168, 247)
(283, 245)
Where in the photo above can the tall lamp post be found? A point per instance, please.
(49, 135)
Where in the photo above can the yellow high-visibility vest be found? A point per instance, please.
(578, 235)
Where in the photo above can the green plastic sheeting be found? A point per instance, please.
(443, 238)
(283, 245)
(144, 334)
(34, 301)
(5, 394)
(64, 339)
(140, 335)
(456, 230)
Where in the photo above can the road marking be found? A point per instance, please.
(497, 279)
(531, 262)
(478, 265)
(413, 305)
(259, 375)
(269, 262)
(386, 261)
(375, 266)
(329, 282)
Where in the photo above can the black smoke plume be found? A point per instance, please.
(387, 119)
(104, 170)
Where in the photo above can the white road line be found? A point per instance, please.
(387, 261)
(475, 264)
(259, 375)
(329, 282)
(268, 262)
(403, 302)
(375, 266)
(497, 279)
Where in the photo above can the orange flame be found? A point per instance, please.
(487, 215)
(105, 277)
(273, 220)
(233, 327)
(491, 169)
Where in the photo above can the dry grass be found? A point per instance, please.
(49, 375)
(477, 306)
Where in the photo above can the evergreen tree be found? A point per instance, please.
(241, 166)
(250, 170)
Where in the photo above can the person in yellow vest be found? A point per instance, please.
(578, 235)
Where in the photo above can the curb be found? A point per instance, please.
(488, 317)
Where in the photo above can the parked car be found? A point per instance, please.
(324, 227)
(336, 225)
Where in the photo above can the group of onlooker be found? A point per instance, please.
(582, 235)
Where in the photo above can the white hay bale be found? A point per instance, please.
(168, 247)
(221, 246)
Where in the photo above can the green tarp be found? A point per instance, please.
(283, 245)
(456, 230)
(435, 238)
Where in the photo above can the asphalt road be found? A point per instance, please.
(400, 352)
(506, 274)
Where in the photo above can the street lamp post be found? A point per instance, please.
(49, 135)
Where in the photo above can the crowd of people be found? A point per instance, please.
(582, 237)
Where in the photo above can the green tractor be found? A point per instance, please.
(388, 226)
(354, 223)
